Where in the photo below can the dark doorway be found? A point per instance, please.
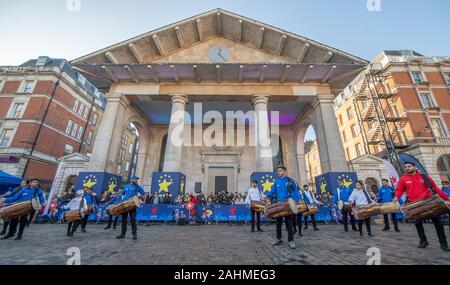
(221, 184)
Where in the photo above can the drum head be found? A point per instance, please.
(293, 206)
(340, 204)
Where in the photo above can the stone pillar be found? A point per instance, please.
(302, 169)
(331, 151)
(174, 147)
(262, 134)
(107, 141)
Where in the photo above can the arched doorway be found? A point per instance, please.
(70, 182)
(372, 185)
(308, 155)
(443, 166)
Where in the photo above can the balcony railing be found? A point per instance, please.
(444, 140)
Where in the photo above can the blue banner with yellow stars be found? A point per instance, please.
(172, 183)
(328, 182)
(98, 181)
(265, 180)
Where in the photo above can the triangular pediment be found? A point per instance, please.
(220, 50)
(173, 42)
(367, 159)
(74, 157)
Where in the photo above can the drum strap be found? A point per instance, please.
(35, 194)
(427, 181)
(367, 196)
(290, 187)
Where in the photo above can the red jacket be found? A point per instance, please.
(416, 188)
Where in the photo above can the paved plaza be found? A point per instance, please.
(218, 244)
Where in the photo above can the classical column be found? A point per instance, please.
(302, 168)
(174, 147)
(331, 150)
(262, 134)
(107, 141)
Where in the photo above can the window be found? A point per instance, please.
(86, 111)
(359, 150)
(68, 149)
(427, 102)
(80, 132)
(28, 86)
(124, 139)
(17, 110)
(74, 130)
(317, 170)
(438, 128)
(350, 113)
(69, 127)
(447, 78)
(81, 110)
(341, 122)
(75, 106)
(121, 154)
(344, 137)
(354, 131)
(119, 168)
(89, 138)
(130, 149)
(5, 137)
(94, 119)
(417, 76)
(315, 157)
(127, 166)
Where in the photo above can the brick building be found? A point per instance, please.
(402, 102)
(47, 110)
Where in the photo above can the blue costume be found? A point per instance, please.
(12, 192)
(90, 202)
(26, 194)
(280, 192)
(132, 190)
(385, 194)
(446, 191)
(343, 193)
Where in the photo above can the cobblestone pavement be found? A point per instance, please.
(218, 244)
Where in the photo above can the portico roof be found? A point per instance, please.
(146, 57)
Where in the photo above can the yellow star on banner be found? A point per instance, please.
(164, 186)
(267, 186)
(111, 187)
(323, 187)
(89, 183)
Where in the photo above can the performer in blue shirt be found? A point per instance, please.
(311, 201)
(446, 190)
(386, 195)
(26, 194)
(297, 220)
(10, 194)
(91, 203)
(131, 189)
(284, 188)
(342, 194)
(115, 198)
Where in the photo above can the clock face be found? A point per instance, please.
(219, 54)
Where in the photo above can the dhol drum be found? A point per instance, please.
(344, 206)
(312, 210)
(281, 209)
(258, 206)
(390, 208)
(363, 212)
(71, 216)
(90, 209)
(302, 207)
(426, 208)
(16, 210)
(124, 206)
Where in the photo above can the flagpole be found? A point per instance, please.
(53, 189)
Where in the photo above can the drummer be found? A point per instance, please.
(312, 201)
(91, 202)
(254, 194)
(74, 205)
(446, 190)
(415, 186)
(26, 194)
(115, 198)
(284, 188)
(131, 189)
(386, 195)
(10, 194)
(360, 197)
(342, 194)
(297, 219)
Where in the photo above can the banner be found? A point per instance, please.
(328, 182)
(98, 181)
(171, 183)
(265, 180)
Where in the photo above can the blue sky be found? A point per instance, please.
(32, 28)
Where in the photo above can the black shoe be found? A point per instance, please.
(7, 236)
(300, 234)
(423, 244)
(305, 228)
(252, 230)
(397, 230)
(114, 227)
(135, 237)
(355, 230)
(2, 233)
(83, 231)
(346, 230)
(444, 247)
(361, 234)
(316, 229)
(107, 227)
(371, 235)
(294, 232)
(385, 229)
(18, 237)
(259, 230)
(120, 236)
(70, 234)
